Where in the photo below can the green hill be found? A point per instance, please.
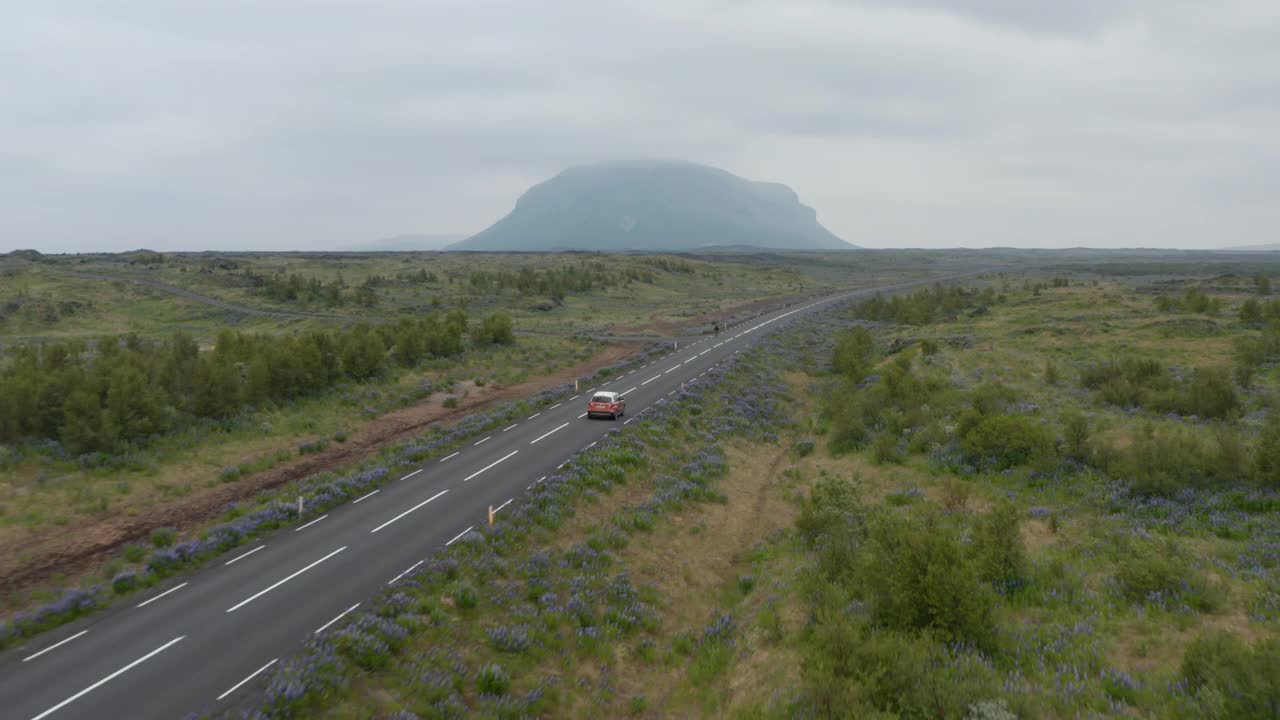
(654, 205)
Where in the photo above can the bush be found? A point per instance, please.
(163, 537)
(832, 508)
(885, 449)
(1227, 679)
(1210, 394)
(493, 680)
(465, 596)
(1075, 432)
(1162, 576)
(124, 582)
(1001, 556)
(451, 402)
(494, 329)
(852, 354)
(1007, 441)
(852, 671)
(134, 553)
(1266, 459)
(918, 577)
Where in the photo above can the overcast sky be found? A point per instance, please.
(264, 124)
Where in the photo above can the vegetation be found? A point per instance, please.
(123, 391)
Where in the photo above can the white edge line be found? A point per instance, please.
(458, 537)
(533, 416)
(175, 588)
(628, 422)
(313, 522)
(531, 442)
(369, 495)
(396, 579)
(450, 456)
(260, 593)
(544, 477)
(241, 557)
(495, 510)
(553, 407)
(252, 675)
(406, 477)
(406, 512)
(108, 678)
(484, 441)
(513, 427)
(575, 397)
(486, 467)
(341, 615)
(589, 446)
(60, 643)
(630, 391)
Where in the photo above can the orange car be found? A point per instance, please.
(607, 403)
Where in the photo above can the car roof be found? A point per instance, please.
(606, 393)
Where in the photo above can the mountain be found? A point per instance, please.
(1269, 247)
(654, 205)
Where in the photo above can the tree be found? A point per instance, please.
(217, 388)
(83, 423)
(135, 406)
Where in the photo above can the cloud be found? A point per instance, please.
(929, 122)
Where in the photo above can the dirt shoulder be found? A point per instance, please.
(38, 559)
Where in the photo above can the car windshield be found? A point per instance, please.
(602, 398)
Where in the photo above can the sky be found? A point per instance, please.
(272, 124)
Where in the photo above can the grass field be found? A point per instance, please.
(934, 574)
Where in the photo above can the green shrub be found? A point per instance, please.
(885, 449)
(451, 402)
(832, 508)
(1007, 441)
(134, 553)
(1210, 394)
(1164, 576)
(1001, 556)
(929, 347)
(1227, 679)
(1251, 311)
(493, 680)
(917, 576)
(851, 670)
(1266, 458)
(163, 537)
(851, 356)
(1075, 433)
(465, 596)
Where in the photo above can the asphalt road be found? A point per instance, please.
(197, 643)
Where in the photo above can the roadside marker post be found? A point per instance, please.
(299, 506)
(490, 514)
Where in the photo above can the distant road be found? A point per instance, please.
(180, 292)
